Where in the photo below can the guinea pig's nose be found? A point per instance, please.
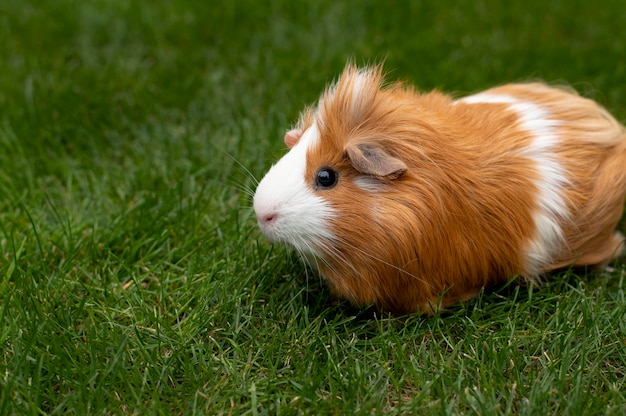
(266, 218)
(269, 218)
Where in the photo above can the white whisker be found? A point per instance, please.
(378, 259)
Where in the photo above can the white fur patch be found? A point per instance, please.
(300, 216)
(361, 91)
(552, 207)
(369, 184)
(358, 105)
(487, 98)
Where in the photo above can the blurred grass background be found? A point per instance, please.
(132, 277)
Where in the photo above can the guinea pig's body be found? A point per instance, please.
(416, 201)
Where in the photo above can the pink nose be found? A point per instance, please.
(266, 218)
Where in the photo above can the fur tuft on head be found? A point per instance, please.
(350, 100)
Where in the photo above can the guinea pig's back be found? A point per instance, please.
(579, 153)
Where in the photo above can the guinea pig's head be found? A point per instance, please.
(336, 158)
(334, 196)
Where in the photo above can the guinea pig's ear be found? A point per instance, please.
(370, 159)
(292, 137)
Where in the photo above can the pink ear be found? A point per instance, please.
(373, 160)
(292, 137)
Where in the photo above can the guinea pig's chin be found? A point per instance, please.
(271, 234)
(304, 244)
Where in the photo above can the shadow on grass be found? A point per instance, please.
(492, 302)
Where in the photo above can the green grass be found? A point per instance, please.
(133, 279)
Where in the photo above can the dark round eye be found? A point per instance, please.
(326, 178)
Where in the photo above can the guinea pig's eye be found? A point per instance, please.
(326, 178)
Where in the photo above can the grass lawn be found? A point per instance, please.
(133, 279)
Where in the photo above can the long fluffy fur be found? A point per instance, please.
(518, 180)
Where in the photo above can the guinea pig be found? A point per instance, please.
(415, 201)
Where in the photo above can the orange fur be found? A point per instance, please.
(461, 216)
